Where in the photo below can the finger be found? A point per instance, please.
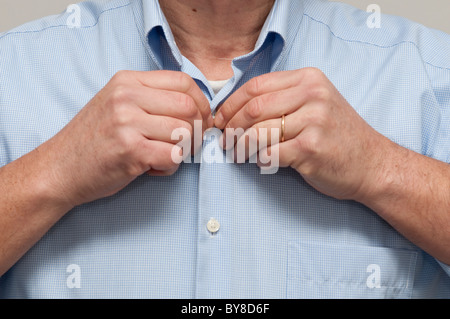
(257, 86)
(168, 103)
(279, 155)
(163, 128)
(268, 106)
(179, 82)
(159, 156)
(293, 124)
(287, 153)
(169, 129)
(268, 133)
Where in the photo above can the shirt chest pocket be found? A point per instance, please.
(332, 271)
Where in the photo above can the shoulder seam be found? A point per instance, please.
(63, 25)
(373, 44)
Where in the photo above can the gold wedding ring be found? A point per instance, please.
(282, 128)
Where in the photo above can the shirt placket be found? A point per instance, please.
(213, 221)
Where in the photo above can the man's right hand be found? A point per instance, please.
(124, 132)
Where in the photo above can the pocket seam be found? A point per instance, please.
(341, 277)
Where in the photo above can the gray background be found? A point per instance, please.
(432, 13)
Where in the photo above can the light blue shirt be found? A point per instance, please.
(278, 237)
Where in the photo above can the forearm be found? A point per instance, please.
(28, 206)
(412, 193)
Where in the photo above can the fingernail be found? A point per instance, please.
(218, 120)
(210, 121)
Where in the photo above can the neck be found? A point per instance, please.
(210, 33)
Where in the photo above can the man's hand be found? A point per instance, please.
(326, 141)
(340, 155)
(123, 132)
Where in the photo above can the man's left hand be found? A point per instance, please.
(325, 139)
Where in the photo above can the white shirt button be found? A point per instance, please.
(213, 226)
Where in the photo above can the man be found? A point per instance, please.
(94, 205)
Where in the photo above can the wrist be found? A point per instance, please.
(386, 177)
(47, 182)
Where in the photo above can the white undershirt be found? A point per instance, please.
(217, 85)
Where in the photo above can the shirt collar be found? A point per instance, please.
(284, 20)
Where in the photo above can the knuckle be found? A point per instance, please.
(126, 152)
(312, 74)
(308, 169)
(253, 86)
(309, 144)
(321, 117)
(183, 127)
(317, 84)
(254, 134)
(254, 108)
(162, 158)
(314, 144)
(188, 106)
(136, 163)
(183, 81)
(172, 125)
(121, 76)
(186, 126)
(308, 148)
(227, 109)
(120, 115)
(168, 125)
(320, 92)
(120, 94)
(125, 142)
(136, 169)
